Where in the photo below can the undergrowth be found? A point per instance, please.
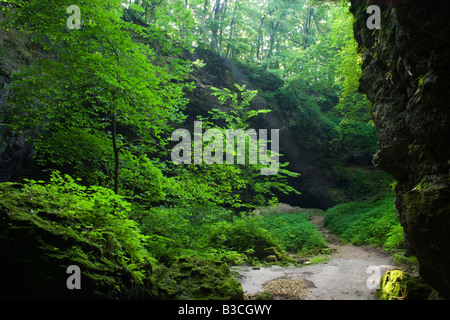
(367, 223)
(176, 231)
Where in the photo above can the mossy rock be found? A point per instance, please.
(38, 244)
(271, 258)
(273, 251)
(399, 285)
(191, 278)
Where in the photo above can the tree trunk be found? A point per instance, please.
(116, 153)
(222, 18)
(273, 36)
(260, 38)
(215, 27)
(114, 130)
(307, 27)
(233, 19)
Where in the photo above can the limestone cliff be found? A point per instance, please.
(405, 76)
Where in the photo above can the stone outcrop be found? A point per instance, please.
(406, 77)
(38, 243)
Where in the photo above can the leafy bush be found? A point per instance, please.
(340, 217)
(294, 231)
(96, 213)
(84, 153)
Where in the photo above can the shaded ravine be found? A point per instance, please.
(351, 273)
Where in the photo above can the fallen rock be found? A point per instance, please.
(399, 285)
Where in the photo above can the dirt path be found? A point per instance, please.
(350, 274)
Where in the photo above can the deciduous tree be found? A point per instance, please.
(100, 79)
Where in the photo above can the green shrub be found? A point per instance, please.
(95, 213)
(360, 137)
(357, 183)
(294, 231)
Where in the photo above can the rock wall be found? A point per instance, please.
(406, 68)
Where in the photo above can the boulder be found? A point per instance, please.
(273, 251)
(398, 285)
(271, 258)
